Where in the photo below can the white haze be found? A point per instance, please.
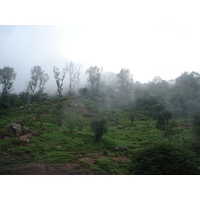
(147, 51)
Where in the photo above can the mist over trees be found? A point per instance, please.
(38, 80)
(180, 97)
(73, 71)
(162, 101)
(94, 76)
(59, 80)
(7, 75)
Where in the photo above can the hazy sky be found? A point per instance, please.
(147, 51)
(162, 49)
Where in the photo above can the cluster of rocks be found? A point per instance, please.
(121, 127)
(16, 130)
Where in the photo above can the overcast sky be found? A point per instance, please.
(148, 50)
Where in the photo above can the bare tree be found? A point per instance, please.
(94, 75)
(74, 75)
(38, 79)
(59, 80)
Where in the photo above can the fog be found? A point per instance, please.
(147, 51)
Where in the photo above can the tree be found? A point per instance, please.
(99, 126)
(125, 79)
(59, 80)
(38, 80)
(164, 159)
(166, 124)
(74, 75)
(7, 75)
(94, 76)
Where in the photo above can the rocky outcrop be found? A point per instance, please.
(13, 130)
(16, 130)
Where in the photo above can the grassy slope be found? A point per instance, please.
(54, 145)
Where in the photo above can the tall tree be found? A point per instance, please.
(94, 76)
(59, 80)
(7, 75)
(74, 75)
(125, 79)
(38, 80)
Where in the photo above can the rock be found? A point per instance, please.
(120, 127)
(21, 108)
(13, 130)
(26, 128)
(119, 148)
(23, 138)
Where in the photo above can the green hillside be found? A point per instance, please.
(62, 141)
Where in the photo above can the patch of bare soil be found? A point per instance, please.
(121, 158)
(88, 160)
(45, 169)
(41, 169)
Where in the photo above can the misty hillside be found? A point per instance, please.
(109, 125)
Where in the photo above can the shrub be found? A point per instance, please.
(132, 117)
(99, 126)
(164, 159)
(196, 133)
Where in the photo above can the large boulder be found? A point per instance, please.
(13, 130)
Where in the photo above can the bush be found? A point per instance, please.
(99, 126)
(132, 117)
(196, 133)
(164, 159)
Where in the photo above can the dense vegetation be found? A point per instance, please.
(112, 126)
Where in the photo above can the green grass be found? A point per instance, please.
(54, 144)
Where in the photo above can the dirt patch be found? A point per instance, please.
(121, 158)
(88, 160)
(41, 169)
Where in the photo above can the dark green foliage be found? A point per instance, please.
(38, 97)
(4, 102)
(79, 122)
(105, 167)
(99, 126)
(18, 103)
(59, 113)
(83, 92)
(24, 97)
(164, 159)
(166, 124)
(132, 117)
(162, 119)
(196, 133)
(69, 122)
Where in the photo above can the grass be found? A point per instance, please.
(54, 144)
